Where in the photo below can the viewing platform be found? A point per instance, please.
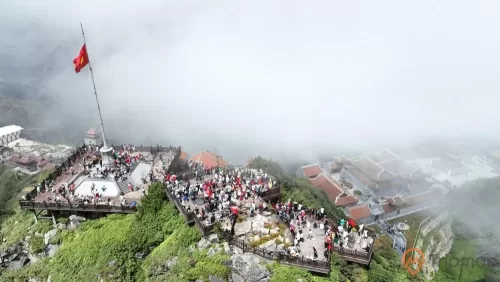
(314, 265)
(275, 193)
(116, 194)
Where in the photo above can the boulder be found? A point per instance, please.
(227, 249)
(212, 278)
(213, 238)
(248, 265)
(203, 244)
(242, 228)
(17, 264)
(76, 218)
(211, 252)
(264, 231)
(33, 258)
(236, 277)
(52, 250)
(49, 235)
(171, 262)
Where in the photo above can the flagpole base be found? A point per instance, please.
(107, 156)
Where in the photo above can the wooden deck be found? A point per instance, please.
(42, 202)
(308, 264)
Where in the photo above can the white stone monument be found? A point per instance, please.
(106, 155)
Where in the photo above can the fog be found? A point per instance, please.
(276, 78)
(476, 208)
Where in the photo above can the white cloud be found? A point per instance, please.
(267, 76)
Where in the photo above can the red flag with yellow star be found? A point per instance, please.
(82, 60)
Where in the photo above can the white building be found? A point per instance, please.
(93, 137)
(9, 133)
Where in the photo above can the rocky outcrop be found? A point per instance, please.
(14, 257)
(435, 242)
(49, 235)
(248, 267)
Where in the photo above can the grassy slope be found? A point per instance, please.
(460, 264)
(86, 253)
(106, 248)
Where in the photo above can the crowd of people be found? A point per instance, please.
(221, 192)
(90, 165)
(303, 223)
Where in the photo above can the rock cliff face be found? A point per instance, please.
(435, 241)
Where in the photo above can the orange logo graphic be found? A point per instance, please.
(409, 261)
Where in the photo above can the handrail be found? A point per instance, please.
(270, 193)
(75, 206)
(280, 257)
(344, 251)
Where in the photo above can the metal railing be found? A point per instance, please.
(77, 207)
(347, 254)
(310, 264)
(271, 193)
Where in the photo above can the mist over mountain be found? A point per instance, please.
(276, 79)
(475, 209)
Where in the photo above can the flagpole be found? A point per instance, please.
(95, 90)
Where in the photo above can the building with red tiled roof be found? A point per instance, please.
(49, 167)
(13, 159)
(30, 164)
(388, 207)
(92, 136)
(385, 173)
(327, 185)
(335, 166)
(311, 171)
(359, 212)
(183, 156)
(432, 195)
(209, 159)
(346, 201)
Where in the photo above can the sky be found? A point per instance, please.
(275, 78)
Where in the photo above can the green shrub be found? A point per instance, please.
(14, 228)
(63, 235)
(42, 226)
(37, 245)
(63, 220)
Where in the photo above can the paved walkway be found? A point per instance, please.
(66, 177)
(318, 242)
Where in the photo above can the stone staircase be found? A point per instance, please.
(123, 187)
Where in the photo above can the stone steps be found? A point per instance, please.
(123, 187)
